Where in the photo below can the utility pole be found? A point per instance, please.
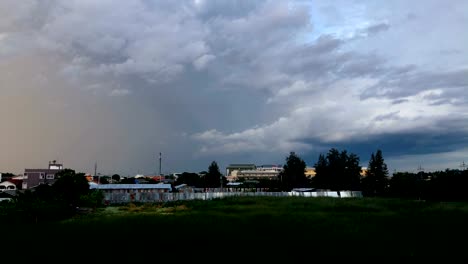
(160, 163)
(95, 170)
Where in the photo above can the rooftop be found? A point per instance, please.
(129, 186)
(240, 165)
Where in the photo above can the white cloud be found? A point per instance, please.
(202, 61)
(119, 92)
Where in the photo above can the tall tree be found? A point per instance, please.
(337, 171)
(352, 175)
(320, 180)
(293, 174)
(375, 182)
(213, 177)
(70, 186)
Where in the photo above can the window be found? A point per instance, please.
(50, 176)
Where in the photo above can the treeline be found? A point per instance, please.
(205, 179)
(337, 170)
(52, 202)
(448, 185)
(341, 171)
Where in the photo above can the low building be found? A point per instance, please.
(35, 177)
(162, 187)
(122, 193)
(310, 172)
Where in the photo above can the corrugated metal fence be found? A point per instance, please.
(167, 197)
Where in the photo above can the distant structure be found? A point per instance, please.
(95, 168)
(235, 172)
(160, 158)
(463, 165)
(233, 169)
(252, 172)
(35, 177)
(310, 172)
(420, 169)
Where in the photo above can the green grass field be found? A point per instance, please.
(270, 227)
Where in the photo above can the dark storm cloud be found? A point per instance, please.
(406, 83)
(374, 29)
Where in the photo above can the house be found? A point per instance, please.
(35, 177)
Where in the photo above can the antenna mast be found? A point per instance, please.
(463, 165)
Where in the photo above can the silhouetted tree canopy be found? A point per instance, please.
(70, 186)
(213, 177)
(337, 171)
(191, 179)
(376, 180)
(116, 178)
(293, 174)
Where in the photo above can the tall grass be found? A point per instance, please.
(318, 226)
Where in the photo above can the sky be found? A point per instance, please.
(117, 82)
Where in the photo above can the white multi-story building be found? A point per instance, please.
(270, 172)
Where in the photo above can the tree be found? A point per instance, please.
(69, 186)
(321, 180)
(6, 175)
(104, 180)
(126, 180)
(375, 182)
(191, 179)
(404, 185)
(115, 178)
(352, 174)
(213, 177)
(293, 174)
(337, 171)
